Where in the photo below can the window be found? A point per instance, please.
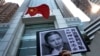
(74, 21)
(3, 30)
(28, 42)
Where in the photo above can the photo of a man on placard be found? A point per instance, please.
(54, 42)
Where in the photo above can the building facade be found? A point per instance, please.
(20, 37)
(84, 5)
(96, 1)
(6, 11)
(2, 2)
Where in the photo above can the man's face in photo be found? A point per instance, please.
(55, 41)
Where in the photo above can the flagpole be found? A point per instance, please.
(26, 8)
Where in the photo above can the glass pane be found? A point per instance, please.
(32, 29)
(3, 31)
(26, 52)
(28, 42)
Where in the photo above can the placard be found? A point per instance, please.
(52, 42)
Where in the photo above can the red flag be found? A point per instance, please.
(32, 11)
(42, 9)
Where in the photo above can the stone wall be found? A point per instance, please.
(84, 5)
(6, 11)
(2, 2)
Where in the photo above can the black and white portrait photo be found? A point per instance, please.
(52, 42)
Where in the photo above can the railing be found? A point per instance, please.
(92, 27)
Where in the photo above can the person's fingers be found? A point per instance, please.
(62, 52)
(65, 53)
